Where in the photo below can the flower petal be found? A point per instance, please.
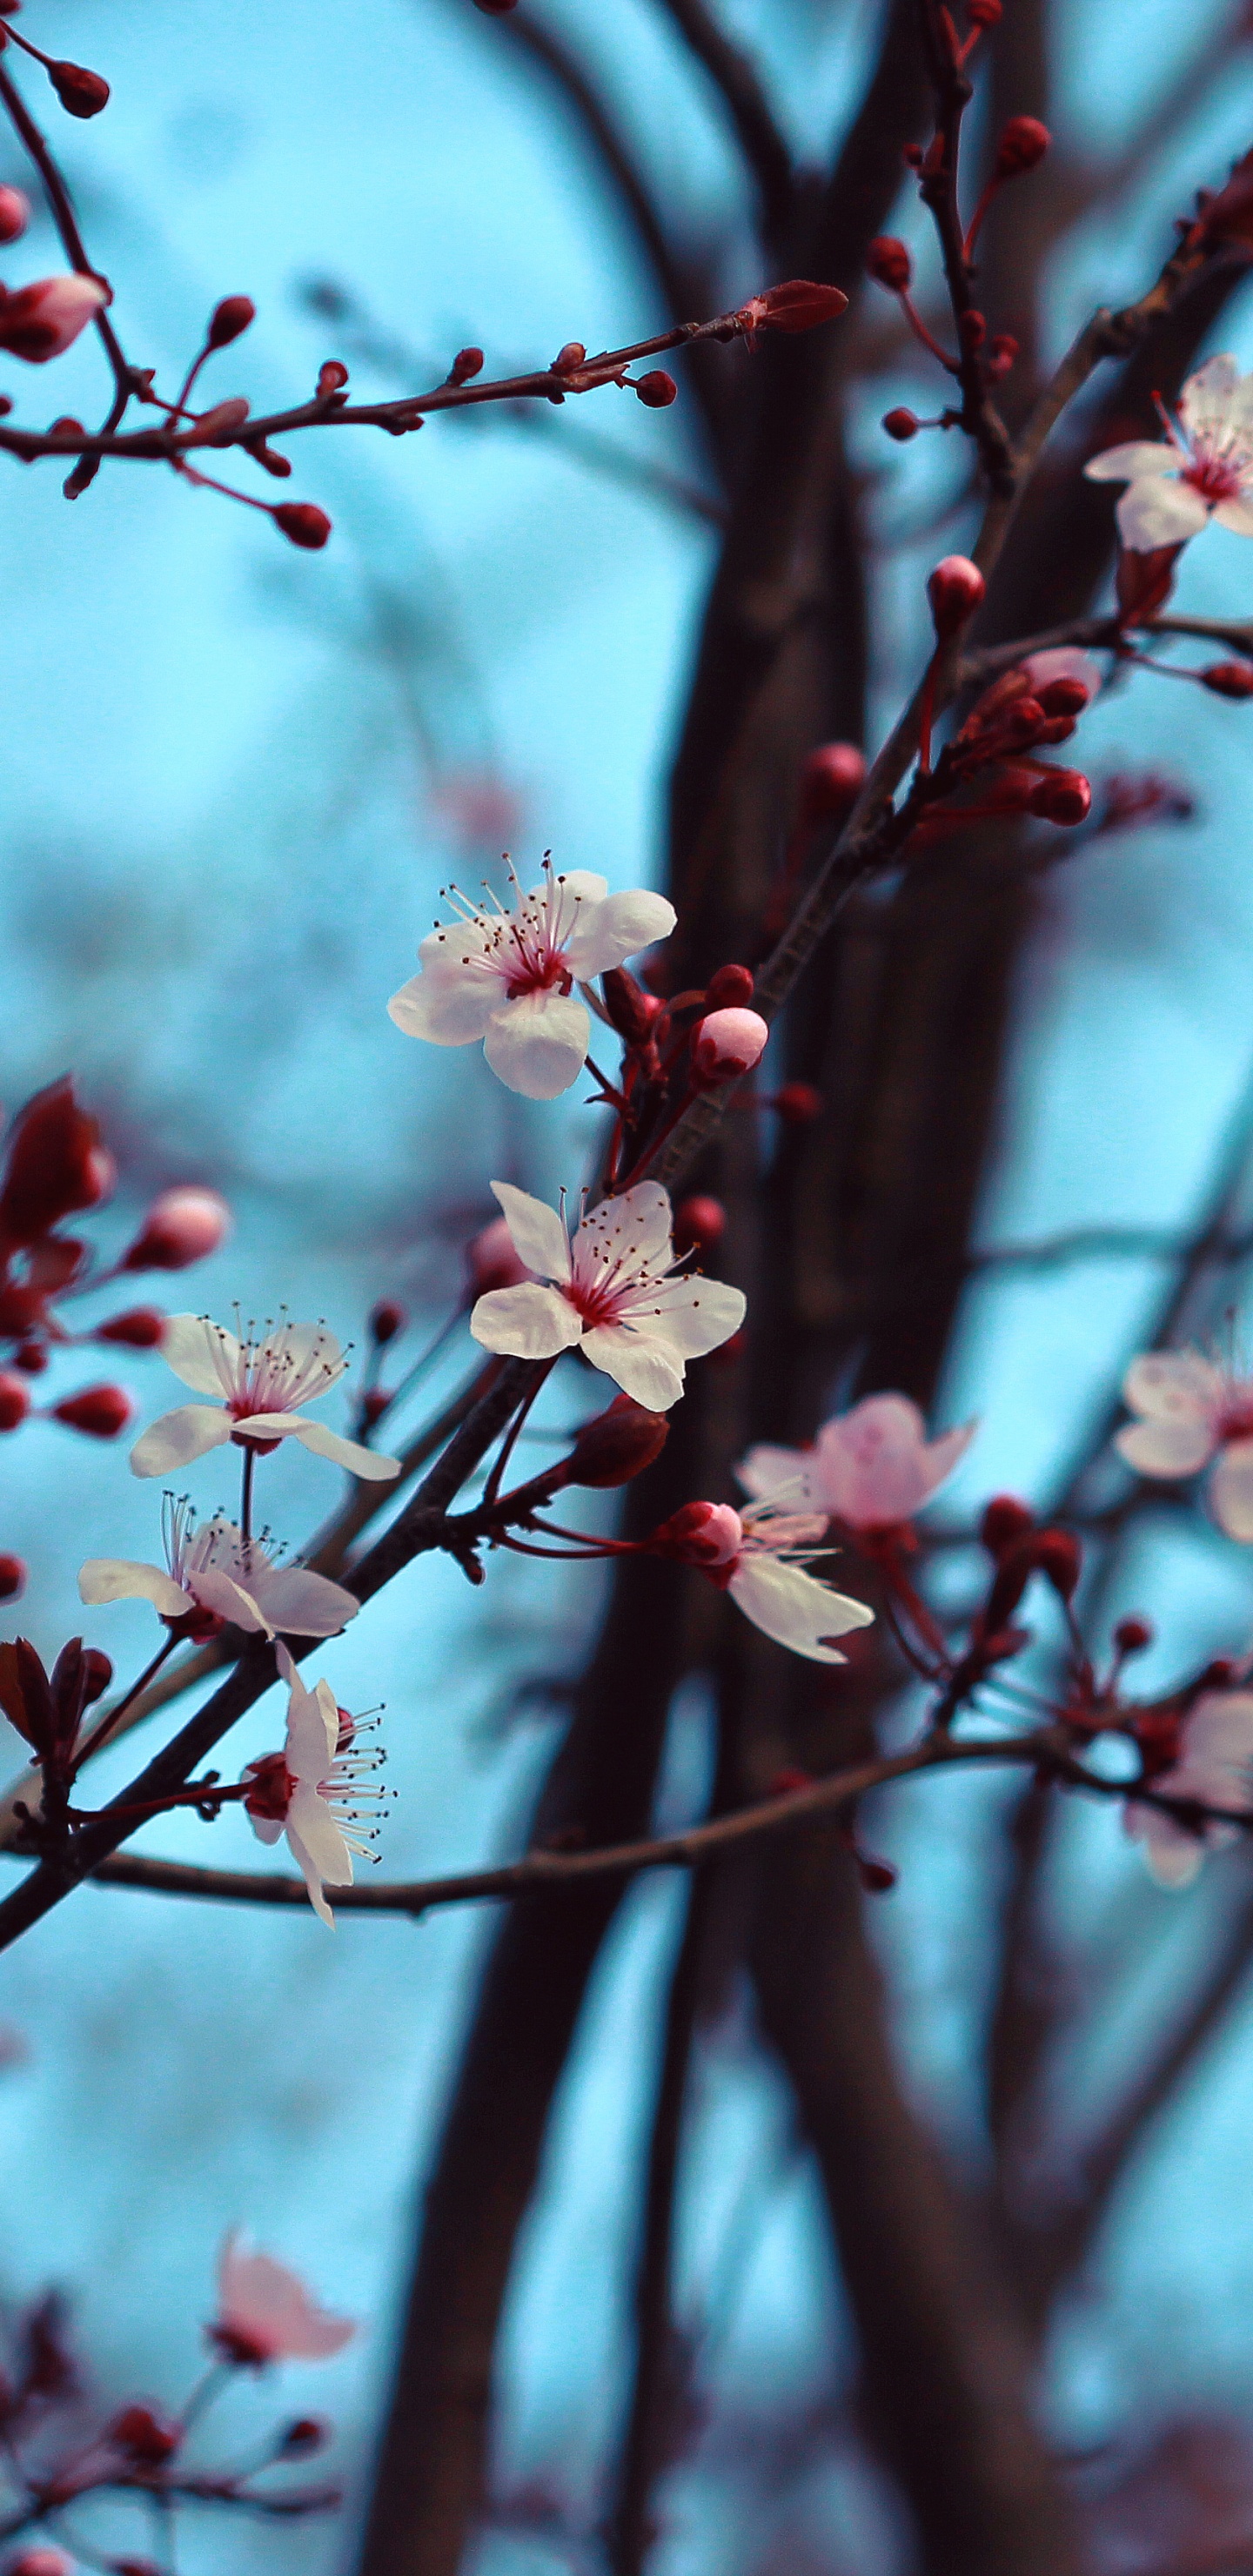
(1236, 515)
(1132, 461)
(692, 1315)
(642, 1364)
(118, 1578)
(785, 1473)
(216, 1590)
(179, 1437)
(1173, 1855)
(1231, 1489)
(1164, 1448)
(1156, 513)
(537, 1044)
(1167, 1385)
(447, 1009)
(628, 1235)
(201, 1352)
(875, 1464)
(794, 1608)
(618, 929)
(304, 1603)
(525, 1323)
(369, 1464)
(312, 1731)
(536, 1231)
(1207, 396)
(320, 1835)
(308, 1869)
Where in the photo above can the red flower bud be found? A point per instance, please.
(32, 1357)
(467, 363)
(831, 782)
(12, 1577)
(727, 1044)
(657, 390)
(1004, 1520)
(631, 1009)
(1024, 142)
(228, 319)
(955, 590)
(797, 1103)
(901, 423)
(332, 376)
(1059, 1558)
(889, 263)
(972, 330)
(1065, 697)
(140, 1328)
(14, 1400)
(1131, 1636)
(182, 1225)
(617, 1445)
(100, 1411)
(699, 1224)
(1002, 352)
(1229, 679)
(1064, 796)
(147, 2436)
(302, 522)
(570, 355)
(799, 304)
(56, 1165)
(298, 2441)
(729, 988)
(41, 320)
(81, 91)
(14, 214)
(387, 1318)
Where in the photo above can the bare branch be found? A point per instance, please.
(763, 146)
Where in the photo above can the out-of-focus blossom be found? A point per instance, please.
(266, 2314)
(872, 1468)
(1215, 1767)
(614, 1294)
(261, 1386)
(215, 1570)
(759, 1556)
(507, 975)
(1202, 469)
(1192, 1411)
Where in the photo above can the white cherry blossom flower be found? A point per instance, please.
(312, 1791)
(215, 1570)
(1192, 1411)
(1202, 469)
(759, 1556)
(266, 2314)
(1215, 1767)
(507, 976)
(872, 1467)
(615, 1294)
(259, 1385)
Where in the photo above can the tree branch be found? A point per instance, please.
(764, 149)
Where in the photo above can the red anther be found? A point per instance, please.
(12, 1577)
(14, 1400)
(491, 1261)
(1024, 142)
(700, 1534)
(467, 363)
(727, 1044)
(387, 1318)
(14, 214)
(140, 1328)
(1004, 1520)
(182, 1225)
(1131, 1636)
(955, 589)
(1229, 679)
(797, 1103)
(785, 1783)
(699, 1224)
(332, 377)
(889, 263)
(144, 2434)
(82, 92)
(1059, 1558)
(31, 1357)
(100, 1411)
(901, 423)
(1144, 580)
(729, 988)
(41, 320)
(656, 389)
(228, 319)
(799, 304)
(570, 356)
(1064, 796)
(631, 1009)
(831, 781)
(616, 1445)
(300, 2440)
(972, 330)
(984, 13)
(302, 522)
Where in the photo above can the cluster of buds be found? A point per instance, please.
(1032, 708)
(47, 1710)
(698, 1041)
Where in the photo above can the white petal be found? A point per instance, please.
(1173, 1856)
(306, 1604)
(1207, 396)
(308, 1869)
(1152, 513)
(1131, 462)
(644, 1367)
(789, 1473)
(1169, 1385)
(1217, 1750)
(616, 930)
(1231, 1489)
(179, 1437)
(793, 1608)
(117, 1578)
(1236, 515)
(216, 1590)
(369, 1464)
(447, 1009)
(1164, 1448)
(693, 1315)
(628, 1234)
(320, 1835)
(536, 1231)
(312, 1732)
(581, 886)
(190, 1345)
(268, 1829)
(525, 1323)
(538, 1044)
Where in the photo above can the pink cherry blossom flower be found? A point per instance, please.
(871, 1468)
(40, 321)
(216, 1570)
(266, 2314)
(261, 1385)
(759, 1556)
(313, 1790)
(507, 976)
(1202, 469)
(1215, 1767)
(1191, 1412)
(615, 1294)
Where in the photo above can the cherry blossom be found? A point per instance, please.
(614, 1294)
(261, 1385)
(216, 1571)
(1215, 1767)
(266, 2314)
(312, 1789)
(759, 1557)
(1192, 1411)
(506, 975)
(871, 1468)
(1202, 469)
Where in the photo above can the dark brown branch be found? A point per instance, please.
(752, 116)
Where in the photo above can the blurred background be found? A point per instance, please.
(236, 778)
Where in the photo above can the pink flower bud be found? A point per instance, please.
(1064, 796)
(1024, 142)
(41, 320)
(387, 1318)
(831, 782)
(99, 1411)
(182, 1225)
(727, 1044)
(14, 1400)
(228, 319)
(12, 1577)
(302, 523)
(491, 1261)
(700, 1534)
(657, 390)
(901, 423)
(699, 1224)
(140, 1328)
(617, 1445)
(14, 214)
(1229, 679)
(82, 92)
(799, 304)
(889, 263)
(729, 987)
(955, 590)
